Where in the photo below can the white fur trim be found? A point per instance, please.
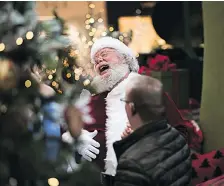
(109, 42)
(115, 124)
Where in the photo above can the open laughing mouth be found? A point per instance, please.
(103, 69)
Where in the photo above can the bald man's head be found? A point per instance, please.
(147, 95)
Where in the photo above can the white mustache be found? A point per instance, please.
(117, 72)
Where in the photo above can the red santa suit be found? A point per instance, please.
(110, 122)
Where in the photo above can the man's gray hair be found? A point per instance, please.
(147, 95)
(130, 60)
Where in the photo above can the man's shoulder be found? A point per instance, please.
(140, 150)
(150, 147)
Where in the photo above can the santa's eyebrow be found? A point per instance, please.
(100, 53)
(104, 51)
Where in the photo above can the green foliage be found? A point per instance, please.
(22, 151)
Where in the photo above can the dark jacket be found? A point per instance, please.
(153, 155)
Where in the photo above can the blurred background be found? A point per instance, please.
(174, 29)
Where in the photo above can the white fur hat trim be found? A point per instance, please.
(109, 42)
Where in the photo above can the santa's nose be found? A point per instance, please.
(99, 60)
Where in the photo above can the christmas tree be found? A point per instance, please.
(96, 28)
(217, 172)
(205, 179)
(194, 173)
(218, 155)
(194, 156)
(31, 150)
(205, 163)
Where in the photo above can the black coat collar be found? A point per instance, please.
(121, 146)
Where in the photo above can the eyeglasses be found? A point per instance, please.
(138, 105)
(105, 53)
(126, 101)
(134, 111)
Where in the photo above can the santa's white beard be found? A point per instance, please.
(116, 73)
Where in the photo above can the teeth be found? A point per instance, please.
(102, 67)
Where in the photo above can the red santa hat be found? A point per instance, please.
(109, 42)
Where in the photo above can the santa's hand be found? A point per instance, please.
(88, 147)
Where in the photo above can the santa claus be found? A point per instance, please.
(114, 63)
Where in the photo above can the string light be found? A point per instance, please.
(28, 83)
(91, 6)
(125, 35)
(65, 63)
(93, 29)
(87, 27)
(53, 182)
(78, 71)
(72, 53)
(13, 182)
(138, 11)
(19, 41)
(68, 75)
(57, 85)
(29, 35)
(86, 82)
(100, 20)
(54, 83)
(77, 77)
(90, 43)
(121, 37)
(50, 77)
(91, 34)
(88, 16)
(3, 109)
(54, 71)
(91, 20)
(104, 34)
(59, 91)
(2, 47)
(111, 29)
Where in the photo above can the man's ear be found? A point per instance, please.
(133, 110)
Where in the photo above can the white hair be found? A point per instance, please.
(117, 72)
(132, 62)
(121, 48)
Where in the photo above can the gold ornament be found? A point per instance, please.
(8, 77)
